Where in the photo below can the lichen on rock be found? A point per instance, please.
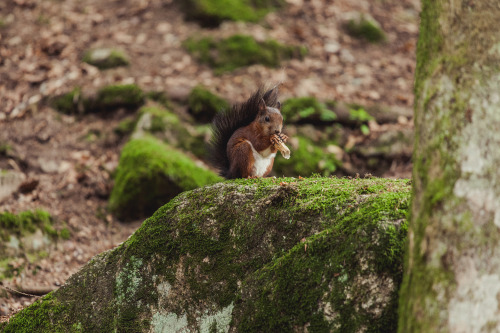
(318, 254)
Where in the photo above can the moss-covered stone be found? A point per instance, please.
(108, 98)
(241, 50)
(320, 254)
(128, 96)
(307, 110)
(366, 27)
(39, 317)
(203, 104)
(69, 103)
(125, 127)
(307, 158)
(159, 97)
(105, 58)
(26, 222)
(149, 174)
(27, 234)
(211, 13)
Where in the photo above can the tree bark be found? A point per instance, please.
(452, 274)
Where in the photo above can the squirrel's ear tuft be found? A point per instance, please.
(262, 105)
(278, 105)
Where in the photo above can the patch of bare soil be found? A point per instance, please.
(71, 157)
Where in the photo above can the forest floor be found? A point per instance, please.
(66, 161)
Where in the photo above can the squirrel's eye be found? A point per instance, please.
(267, 118)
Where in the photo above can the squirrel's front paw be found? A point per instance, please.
(283, 137)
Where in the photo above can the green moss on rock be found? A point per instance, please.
(366, 27)
(29, 234)
(69, 103)
(125, 127)
(149, 174)
(159, 97)
(204, 105)
(108, 98)
(211, 13)
(306, 159)
(320, 254)
(241, 50)
(128, 96)
(307, 110)
(26, 222)
(105, 58)
(39, 317)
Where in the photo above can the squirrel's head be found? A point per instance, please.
(269, 119)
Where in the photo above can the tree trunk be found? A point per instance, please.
(452, 274)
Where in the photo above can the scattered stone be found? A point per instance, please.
(105, 58)
(10, 181)
(346, 56)
(332, 47)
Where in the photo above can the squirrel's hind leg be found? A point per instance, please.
(241, 160)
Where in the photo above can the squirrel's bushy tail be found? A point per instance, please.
(226, 122)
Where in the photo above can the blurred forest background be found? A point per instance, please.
(105, 109)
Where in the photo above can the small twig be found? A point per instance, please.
(18, 292)
(30, 292)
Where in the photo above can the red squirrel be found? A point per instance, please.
(241, 143)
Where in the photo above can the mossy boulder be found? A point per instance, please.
(364, 26)
(239, 51)
(317, 255)
(204, 105)
(105, 58)
(307, 158)
(307, 110)
(109, 98)
(149, 174)
(211, 13)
